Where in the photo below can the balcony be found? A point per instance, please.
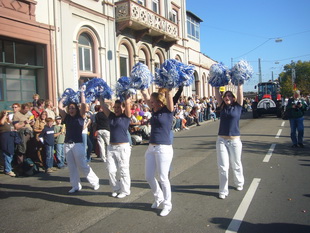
(143, 22)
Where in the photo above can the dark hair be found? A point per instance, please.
(119, 102)
(25, 105)
(97, 108)
(43, 112)
(40, 102)
(76, 107)
(223, 102)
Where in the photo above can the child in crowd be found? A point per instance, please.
(59, 142)
(49, 141)
(212, 114)
(35, 98)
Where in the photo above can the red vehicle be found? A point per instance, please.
(268, 100)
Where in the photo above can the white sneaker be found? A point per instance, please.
(222, 196)
(97, 187)
(114, 194)
(156, 204)
(73, 190)
(240, 188)
(122, 195)
(165, 211)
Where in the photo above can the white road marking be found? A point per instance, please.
(279, 133)
(243, 207)
(269, 154)
(283, 123)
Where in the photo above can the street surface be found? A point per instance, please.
(276, 195)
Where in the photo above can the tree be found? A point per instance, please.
(302, 81)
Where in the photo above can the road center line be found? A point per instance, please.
(243, 207)
(283, 123)
(269, 154)
(279, 133)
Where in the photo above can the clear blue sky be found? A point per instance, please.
(247, 29)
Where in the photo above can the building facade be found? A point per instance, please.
(48, 46)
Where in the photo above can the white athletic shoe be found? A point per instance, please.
(73, 190)
(97, 187)
(165, 211)
(122, 195)
(156, 204)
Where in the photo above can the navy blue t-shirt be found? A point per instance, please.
(229, 120)
(48, 135)
(118, 128)
(74, 128)
(161, 123)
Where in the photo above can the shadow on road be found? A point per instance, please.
(261, 227)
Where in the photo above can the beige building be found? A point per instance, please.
(48, 46)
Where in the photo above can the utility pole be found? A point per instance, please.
(259, 71)
(272, 76)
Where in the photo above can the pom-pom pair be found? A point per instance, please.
(173, 73)
(220, 75)
(140, 79)
(93, 89)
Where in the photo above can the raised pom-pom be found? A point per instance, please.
(96, 88)
(141, 77)
(70, 96)
(173, 73)
(241, 72)
(219, 75)
(123, 88)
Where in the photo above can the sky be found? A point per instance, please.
(247, 29)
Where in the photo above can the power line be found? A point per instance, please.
(283, 59)
(254, 48)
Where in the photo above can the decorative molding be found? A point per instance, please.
(143, 18)
(18, 9)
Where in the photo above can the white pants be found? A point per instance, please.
(118, 158)
(158, 159)
(103, 139)
(229, 150)
(75, 156)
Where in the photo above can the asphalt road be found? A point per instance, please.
(275, 196)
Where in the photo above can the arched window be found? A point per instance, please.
(85, 53)
(178, 58)
(196, 85)
(159, 58)
(124, 62)
(142, 56)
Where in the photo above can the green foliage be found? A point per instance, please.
(302, 81)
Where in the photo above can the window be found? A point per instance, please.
(174, 16)
(193, 28)
(124, 65)
(20, 84)
(141, 2)
(155, 6)
(18, 53)
(142, 57)
(85, 53)
(124, 60)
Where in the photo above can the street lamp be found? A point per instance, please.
(278, 40)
